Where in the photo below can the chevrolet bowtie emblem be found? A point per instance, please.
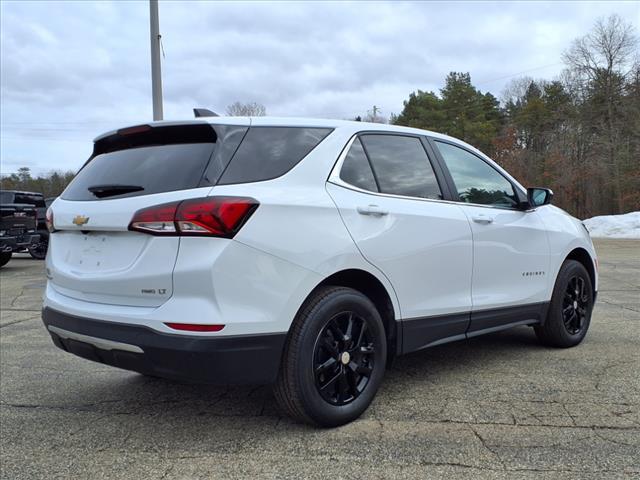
(80, 220)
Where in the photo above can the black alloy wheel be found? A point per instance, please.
(334, 358)
(569, 313)
(575, 304)
(343, 358)
(39, 250)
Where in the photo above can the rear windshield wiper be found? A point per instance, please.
(101, 191)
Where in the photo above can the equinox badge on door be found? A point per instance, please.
(80, 220)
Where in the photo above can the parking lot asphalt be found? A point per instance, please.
(499, 406)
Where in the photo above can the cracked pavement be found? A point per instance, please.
(498, 406)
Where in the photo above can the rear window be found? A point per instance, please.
(269, 152)
(165, 159)
(156, 169)
(36, 200)
(25, 198)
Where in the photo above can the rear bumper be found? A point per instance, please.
(11, 244)
(243, 359)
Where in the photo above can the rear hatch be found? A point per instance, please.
(93, 255)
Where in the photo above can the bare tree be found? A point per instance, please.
(252, 109)
(609, 47)
(602, 61)
(373, 116)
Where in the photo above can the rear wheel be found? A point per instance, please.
(39, 250)
(334, 359)
(4, 258)
(570, 309)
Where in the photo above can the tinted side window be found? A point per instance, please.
(476, 181)
(356, 170)
(401, 166)
(269, 152)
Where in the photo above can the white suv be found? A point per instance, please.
(305, 253)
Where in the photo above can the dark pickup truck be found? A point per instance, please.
(18, 228)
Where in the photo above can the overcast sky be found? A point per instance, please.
(72, 70)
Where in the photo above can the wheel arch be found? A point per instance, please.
(375, 290)
(581, 255)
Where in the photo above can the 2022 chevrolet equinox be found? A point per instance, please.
(302, 253)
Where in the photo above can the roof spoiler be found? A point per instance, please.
(204, 112)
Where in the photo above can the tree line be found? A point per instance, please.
(50, 184)
(578, 134)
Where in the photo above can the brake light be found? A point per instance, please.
(195, 327)
(49, 220)
(208, 216)
(133, 130)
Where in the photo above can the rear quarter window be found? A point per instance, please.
(270, 152)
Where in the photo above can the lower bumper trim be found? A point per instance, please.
(96, 342)
(243, 359)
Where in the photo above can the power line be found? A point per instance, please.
(519, 73)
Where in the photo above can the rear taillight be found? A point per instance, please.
(49, 220)
(208, 216)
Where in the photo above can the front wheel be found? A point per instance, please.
(4, 258)
(334, 359)
(570, 309)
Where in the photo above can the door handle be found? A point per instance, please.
(374, 210)
(482, 219)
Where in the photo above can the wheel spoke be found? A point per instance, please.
(353, 384)
(580, 289)
(349, 332)
(367, 349)
(363, 328)
(573, 321)
(568, 318)
(331, 383)
(324, 366)
(334, 328)
(343, 384)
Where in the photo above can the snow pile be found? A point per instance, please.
(615, 226)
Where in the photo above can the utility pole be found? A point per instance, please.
(156, 75)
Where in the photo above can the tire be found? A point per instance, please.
(349, 365)
(39, 250)
(4, 258)
(570, 309)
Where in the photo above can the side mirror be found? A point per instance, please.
(539, 196)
